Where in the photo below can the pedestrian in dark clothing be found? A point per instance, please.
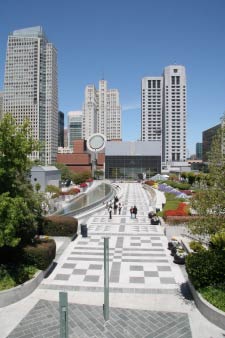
(131, 212)
(119, 208)
(110, 212)
(115, 207)
(135, 211)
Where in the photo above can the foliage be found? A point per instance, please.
(20, 206)
(206, 268)
(217, 241)
(178, 185)
(196, 246)
(72, 191)
(17, 222)
(13, 275)
(66, 174)
(98, 173)
(16, 143)
(209, 203)
(52, 189)
(215, 295)
(60, 226)
(40, 254)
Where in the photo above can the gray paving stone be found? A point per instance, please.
(151, 274)
(62, 277)
(87, 321)
(167, 280)
(136, 268)
(137, 280)
(91, 278)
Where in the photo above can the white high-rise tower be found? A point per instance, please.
(102, 112)
(164, 112)
(31, 89)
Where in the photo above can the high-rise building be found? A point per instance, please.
(61, 129)
(207, 139)
(65, 137)
(1, 104)
(74, 126)
(164, 112)
(199, 151)
(102, 112)
(30, 87)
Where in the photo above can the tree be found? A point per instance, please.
(209, 203)
(20, 206)
(66, 174)
(16, 143)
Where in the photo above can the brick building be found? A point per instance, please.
(80, 160)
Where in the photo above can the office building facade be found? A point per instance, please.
(1, 105)
(164, 112)
(102, 112)
(31, 88)
(61, 129)
(75, 119)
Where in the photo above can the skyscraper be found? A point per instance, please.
(30, 87)
(102, 112)
(1, 104)
(60, 129)
(74, 126)
(164, 112)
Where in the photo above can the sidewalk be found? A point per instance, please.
(148, 294)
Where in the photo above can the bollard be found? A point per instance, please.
(63, 309)
(106, 279)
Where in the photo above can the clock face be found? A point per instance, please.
(96, 142)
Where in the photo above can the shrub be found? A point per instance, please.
(217, 241)
(151, 182)
(41, 254)
(60, 226)
(206, 268)
(15, 274)
(196, 246)
(83, 185)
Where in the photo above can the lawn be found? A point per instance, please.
(214, 295)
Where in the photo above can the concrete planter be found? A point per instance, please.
(213, 314)
(13, 295)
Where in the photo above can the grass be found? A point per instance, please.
(13, 275)
(215, 295)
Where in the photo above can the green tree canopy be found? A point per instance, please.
(20, 206)
(16, 143)
(209, 203)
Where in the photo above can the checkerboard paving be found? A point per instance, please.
(138, 255)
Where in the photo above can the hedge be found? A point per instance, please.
(41, 254)
(60, 226)
(206, 268)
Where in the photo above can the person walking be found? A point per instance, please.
(119, 208)
(115, 207)
(131, 212)
(135, 211)
(110, 212)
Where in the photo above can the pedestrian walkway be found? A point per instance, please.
(148, 293)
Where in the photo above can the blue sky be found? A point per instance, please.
(126, 40)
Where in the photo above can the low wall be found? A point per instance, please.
(13, 295)
(209, 311)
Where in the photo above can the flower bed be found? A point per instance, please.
(181, 210)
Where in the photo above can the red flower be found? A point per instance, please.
(83, 185)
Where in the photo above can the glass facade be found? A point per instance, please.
(131, 167)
